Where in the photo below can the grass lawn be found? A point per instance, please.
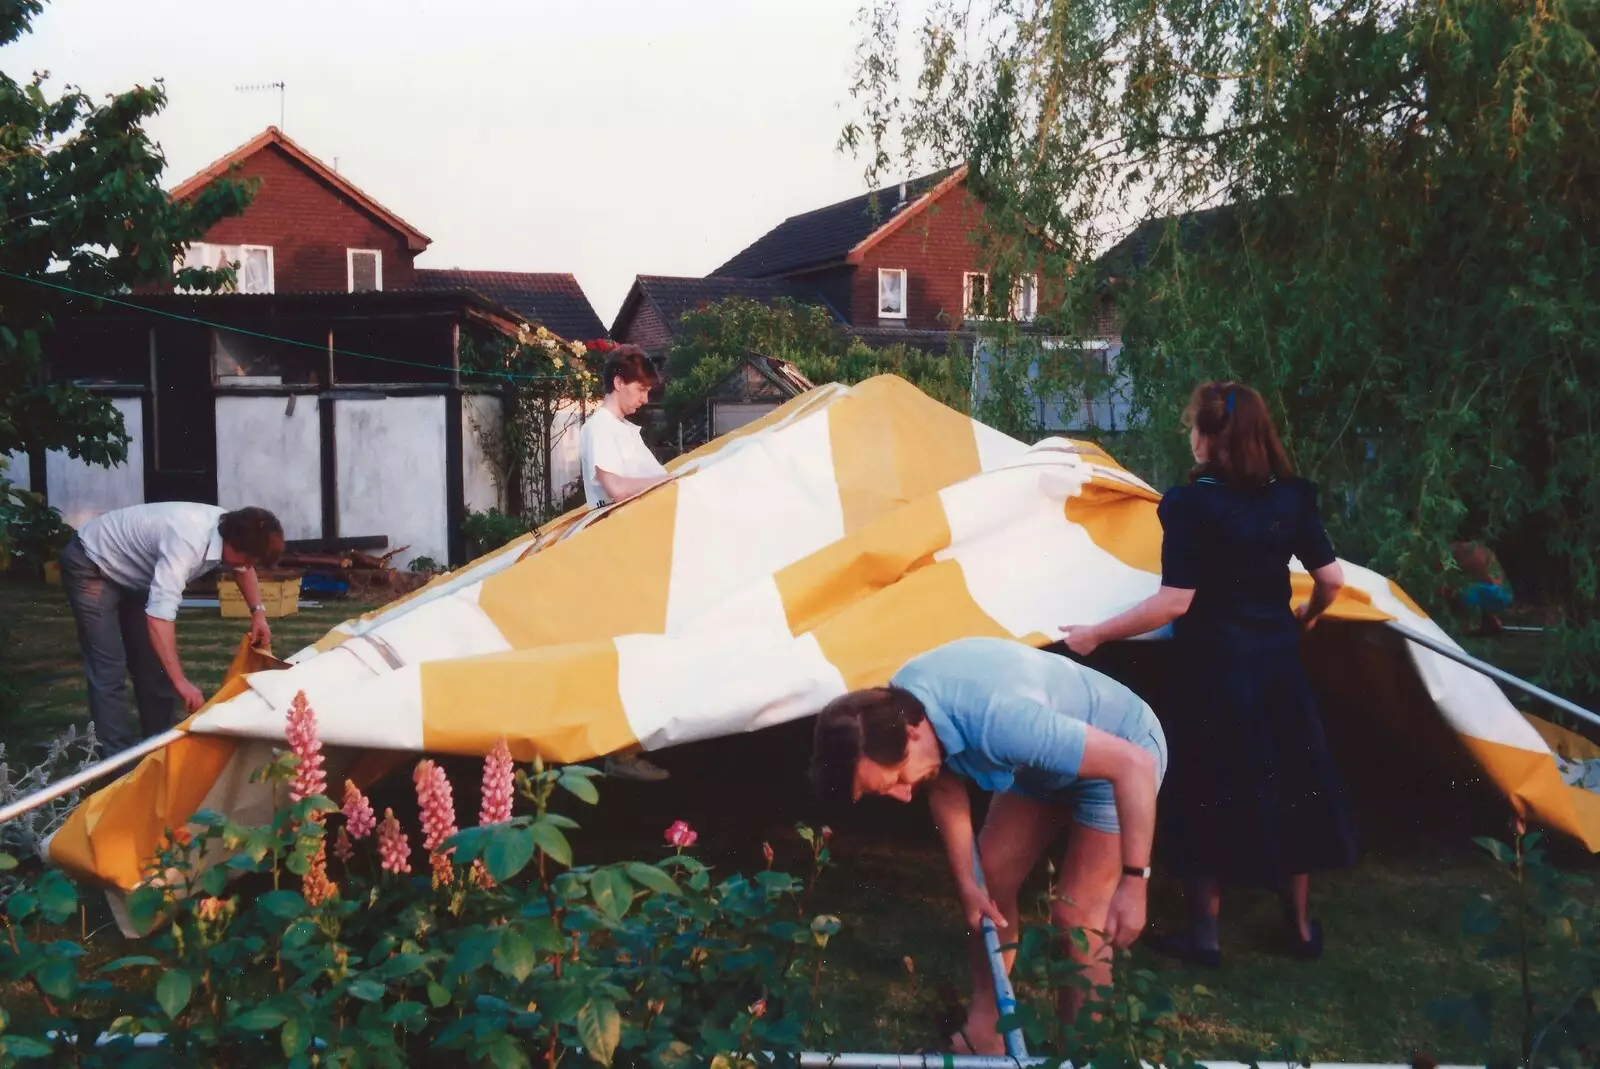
(1392, 924)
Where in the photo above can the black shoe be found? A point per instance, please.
(1181, 945)
(1306, 949)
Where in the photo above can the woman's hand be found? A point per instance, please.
(976, 905)
(1082, 639)
(1307, 620)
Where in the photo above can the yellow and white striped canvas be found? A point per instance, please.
(806, 554)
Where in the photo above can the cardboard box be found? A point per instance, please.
(280, 596)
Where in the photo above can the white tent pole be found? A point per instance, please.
(1500, 675)
(1005, 999)
(90, 774)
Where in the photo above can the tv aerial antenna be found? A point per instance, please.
(266, 87)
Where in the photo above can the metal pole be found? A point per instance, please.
(90, 774)
(1004, 997)
(1464, 658)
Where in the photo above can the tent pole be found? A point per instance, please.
(90, 774)
(1005, 999)
(1497, 674)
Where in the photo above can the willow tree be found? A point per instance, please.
(1382, 214)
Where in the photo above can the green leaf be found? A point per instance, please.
(285, 905)
(257, 1020)
(514, 955)
(366, 990)
(580, 787)
(215, 881)
(674, 1055)
(138, 961)
(438, 996)
(7, 863)
(561, 1006)
(506, 1053)
(145, 905)
(21, 904)
(552, 842)
(652, 878)
(1498, 850)
(599, 1028)
(612, 891)
(173, 992)
(295, 1037)
(509, 852)
(24, 1047)
(58, 978)
(58, 899)
(412, 1016)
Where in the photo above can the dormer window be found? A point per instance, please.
(891, 293)
(365, 269)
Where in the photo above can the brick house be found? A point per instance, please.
(327, 386)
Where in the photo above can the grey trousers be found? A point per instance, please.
(115, 639)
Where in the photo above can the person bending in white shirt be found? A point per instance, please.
(124, 574)
(617, 464)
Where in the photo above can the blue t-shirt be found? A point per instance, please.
(1010, 717)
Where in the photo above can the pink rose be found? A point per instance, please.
(681, 835)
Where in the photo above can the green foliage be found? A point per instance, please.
(1399, 253)
(84, 207)
(488, 531)
(518, 957)
(1549, 920)
(712, 340)
(31, 531)
(425, 565)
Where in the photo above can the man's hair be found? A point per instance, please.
(630, 364)
(1244, 446)
(255, 532)
(864, 723)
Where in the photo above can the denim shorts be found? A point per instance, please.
(1092, 801)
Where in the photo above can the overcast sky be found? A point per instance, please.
(607, 138)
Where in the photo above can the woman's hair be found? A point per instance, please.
(1242, 445)
(255, 532)
(630, 364)
(864, 723)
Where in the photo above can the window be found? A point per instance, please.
(252, 264)
(1025, 299)
(891, 293)
(365, 269)
(974, 295)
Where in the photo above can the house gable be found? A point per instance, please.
(310, 217)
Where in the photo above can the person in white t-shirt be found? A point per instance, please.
(616, 462)
(616, 465)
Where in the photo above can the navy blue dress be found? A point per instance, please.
(1252, 794)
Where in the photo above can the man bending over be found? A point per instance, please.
(1057, 744)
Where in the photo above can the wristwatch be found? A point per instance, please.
(1136, 872)
(257, 608)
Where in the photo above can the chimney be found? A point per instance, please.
(902, 195)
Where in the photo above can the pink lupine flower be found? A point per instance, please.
(498, 785)
(315, 885)
(437, 803)
(342, 847)
(766, 852)
(309, 778)
(394, 852)
(681, 835)
(358, 815)
(443, 874)
(211, 909)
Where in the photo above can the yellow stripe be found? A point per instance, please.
(861, 565)
(1352, 603)
(1533, 783)
(1119, 521)
(611, 581)
(561, 703)
(870, 641)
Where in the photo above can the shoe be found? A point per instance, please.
(632, 766)
(1306, 949)
(1181, 945)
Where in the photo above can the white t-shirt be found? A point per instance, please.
(612, 444)
(161, 546)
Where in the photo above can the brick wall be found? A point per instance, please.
(309, 225)
(645, 328)
(935, 249)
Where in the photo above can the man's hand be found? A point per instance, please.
(1082, 639)
(192, 698)
(976, 905)
(1125, 919)
(260, 632)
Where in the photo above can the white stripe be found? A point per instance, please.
(677, 690)
(756, 511)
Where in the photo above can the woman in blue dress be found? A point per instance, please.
(1256, 799)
